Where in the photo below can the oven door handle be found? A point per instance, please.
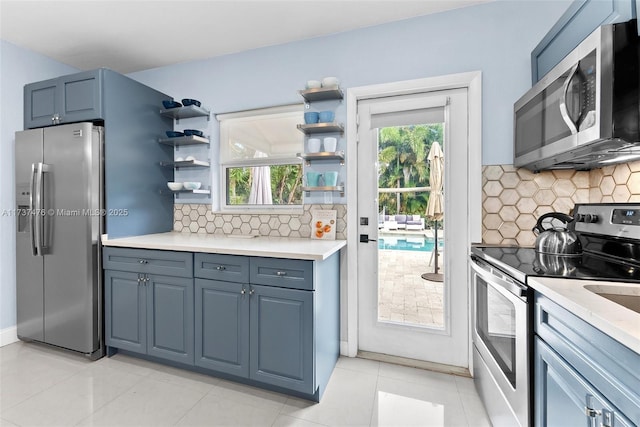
(486, 273)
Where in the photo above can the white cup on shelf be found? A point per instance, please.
(330, 81)
(330, 143)
(314, 145)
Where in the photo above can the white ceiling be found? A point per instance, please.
(133, 35)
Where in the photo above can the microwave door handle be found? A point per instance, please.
(564, 112)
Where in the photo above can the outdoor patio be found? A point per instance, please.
(403, 295)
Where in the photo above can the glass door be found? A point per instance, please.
(400, 312)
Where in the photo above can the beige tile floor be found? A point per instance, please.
(41, 386)
(403, 295)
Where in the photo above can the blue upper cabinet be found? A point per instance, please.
(68, 99)
(81, 96)
(41, 102)
(580, 20)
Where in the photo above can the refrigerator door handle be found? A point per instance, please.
(32, 210)
(41, 168)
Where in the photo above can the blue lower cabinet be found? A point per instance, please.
(147, 312)
(272, 336)
(170, 318)
(222, 326)
(150, 314)
(125, 311)
(273, 323)
(564, 398)
(281, 345)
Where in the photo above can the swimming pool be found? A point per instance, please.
(403, 242)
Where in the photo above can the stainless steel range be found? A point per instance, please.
(609, 235)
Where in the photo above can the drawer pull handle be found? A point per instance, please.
(251, 292)
(143, 261)
(281, 273)
(243, 291)
(221, 268)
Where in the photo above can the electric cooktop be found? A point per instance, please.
(610, 237)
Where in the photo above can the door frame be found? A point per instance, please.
(472, 81)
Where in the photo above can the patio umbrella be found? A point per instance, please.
(435, 206)
(260, 193)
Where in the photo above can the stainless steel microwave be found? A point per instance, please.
(585, 112)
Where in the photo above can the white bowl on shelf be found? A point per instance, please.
(179, 159)
(190, 158)
(314, 84)
(174, 186)
(190, 185)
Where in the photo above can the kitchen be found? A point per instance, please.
(225, 84)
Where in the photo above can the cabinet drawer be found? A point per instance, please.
(284, 273)
(179, 264)
(228, 268)
(604, 362)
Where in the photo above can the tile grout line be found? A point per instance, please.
(142, 377)
(375, 393)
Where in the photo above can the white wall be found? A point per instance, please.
(17, 68)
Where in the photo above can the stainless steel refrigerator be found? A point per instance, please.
(59, 196)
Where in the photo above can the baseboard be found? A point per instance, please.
(8, 335)
(344, 348)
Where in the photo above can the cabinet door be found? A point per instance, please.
(125, 311)
(81, 97)
(563, 397)
(170, 318)
(581, 19)
(222, 326)
(281, 343)
(41, 102)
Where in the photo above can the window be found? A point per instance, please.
(258, 159)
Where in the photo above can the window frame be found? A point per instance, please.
(226, 163)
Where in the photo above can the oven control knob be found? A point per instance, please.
(588, 218)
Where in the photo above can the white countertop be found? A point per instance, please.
(275, 247)
(620, 323)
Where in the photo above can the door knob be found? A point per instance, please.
(364, 238)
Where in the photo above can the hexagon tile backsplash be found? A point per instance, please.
(512, 198)
(194, 218)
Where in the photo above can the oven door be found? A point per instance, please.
(500, 336)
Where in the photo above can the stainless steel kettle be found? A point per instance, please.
(556, 240)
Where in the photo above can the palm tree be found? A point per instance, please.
(402, 155)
